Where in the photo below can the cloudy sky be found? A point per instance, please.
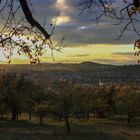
(85, 40)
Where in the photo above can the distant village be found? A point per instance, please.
(95, 76)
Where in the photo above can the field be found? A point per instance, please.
(96, 129)
(100, 101)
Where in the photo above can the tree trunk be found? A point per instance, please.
(83, 115)
(59, 118)
(67, 124)
(2, 116)
(14, 116)
(30, 116)
(41, 120)
(128, 117)
(87, 116)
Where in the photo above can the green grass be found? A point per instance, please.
(97, 129)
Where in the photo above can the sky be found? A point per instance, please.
(85, 39)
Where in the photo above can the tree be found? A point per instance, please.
(33, 97)
(128, 102)
(3, 109)
(41, 105)
(83, 98)
(13, 93)
(127, 14)
(60, 101)
(41, 111)
(99, 103)
(110, 100)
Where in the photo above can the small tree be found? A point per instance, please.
(128, 102)
(61, 102)
(41, 111)
(14, 93)
(83, 101)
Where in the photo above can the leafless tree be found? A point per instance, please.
(127, 12)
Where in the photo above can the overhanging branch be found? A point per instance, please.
(31, 20)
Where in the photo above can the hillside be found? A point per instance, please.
(83, 73)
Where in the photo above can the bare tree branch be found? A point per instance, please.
(31, 20)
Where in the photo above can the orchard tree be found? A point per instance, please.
(128, 102)
(83, 98)
(13, 93)
(61, 101)
(34, 96)
(41, 111)
(3, 107)
(110, 100)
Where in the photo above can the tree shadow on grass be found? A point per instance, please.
(26, 130)
(60, 136)
(20, 123)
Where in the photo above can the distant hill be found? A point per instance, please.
(54, 67)
(89, 63)
(94, 65)
(83, 73)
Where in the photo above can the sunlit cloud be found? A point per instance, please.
(61, 5)
(82, 28)
(86, 40)
(61, 20)
(101, 53)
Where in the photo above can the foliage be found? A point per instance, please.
(64, 100)
(23, 32)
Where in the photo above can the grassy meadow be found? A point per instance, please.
(93, 129)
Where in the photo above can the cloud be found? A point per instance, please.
(80, 29)
(83, 34)
(84, 28)
(78, 55)
(61, 20)
(115, 62)
(123, 53)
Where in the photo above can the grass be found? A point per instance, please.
(97, 129)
